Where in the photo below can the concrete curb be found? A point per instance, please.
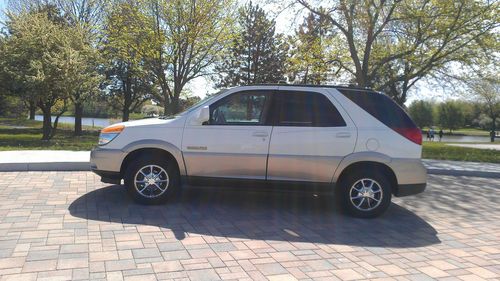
(464, 173)
(85, 166)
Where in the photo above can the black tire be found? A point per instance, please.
(172, 186)
(348, 191)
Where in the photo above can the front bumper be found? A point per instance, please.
(109, 177)
(107, 164)
(106, 159)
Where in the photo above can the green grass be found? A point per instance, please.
(441, 151)
(462, 132)
(22, 134)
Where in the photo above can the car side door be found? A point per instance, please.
(311, 135)
(234, 143)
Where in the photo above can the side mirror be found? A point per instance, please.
(203, 115)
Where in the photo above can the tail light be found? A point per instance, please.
(413, 134)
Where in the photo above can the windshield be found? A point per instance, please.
(195, 106)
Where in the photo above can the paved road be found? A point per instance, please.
(68, 225)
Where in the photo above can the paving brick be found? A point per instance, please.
(35, 266)
(68, 225)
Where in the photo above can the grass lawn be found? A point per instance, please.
(23, 134)
(462, 132)
(441, 151)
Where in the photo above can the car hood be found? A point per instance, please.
(148, 122)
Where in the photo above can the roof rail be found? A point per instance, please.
(345, 86)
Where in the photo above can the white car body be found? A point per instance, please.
(266, 152)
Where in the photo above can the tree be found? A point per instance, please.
(310, 61)
(35, 59)
(81, 72)
(86, 18)
(421, 112)
(190, 37)
(449, 115)
(126, 45)
(391, 45)
(257, 54)
(486, 90)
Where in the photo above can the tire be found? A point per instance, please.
(359, 200)
(146, 169)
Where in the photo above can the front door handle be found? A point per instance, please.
(343, 135)
(260, 134)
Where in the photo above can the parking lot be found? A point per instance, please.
(69, 225)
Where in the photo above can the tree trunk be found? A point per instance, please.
(56, 121)
(125, 113)
(78, 119)
(173, 106)
(493, 130)
(166, 108)
(47, 124)
(32, 109)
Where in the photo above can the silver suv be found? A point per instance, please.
(356, 142)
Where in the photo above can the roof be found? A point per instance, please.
(338, 86)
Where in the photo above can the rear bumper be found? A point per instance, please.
(409, 171)
(409, 189)
(411, 176)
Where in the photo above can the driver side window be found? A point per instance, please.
(243, 108)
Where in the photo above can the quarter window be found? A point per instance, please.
(307, 109)
(244, 108)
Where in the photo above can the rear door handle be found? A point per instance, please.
(260, 134)
(343, 135)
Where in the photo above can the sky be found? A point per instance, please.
(285, 23)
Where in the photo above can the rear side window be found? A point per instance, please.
(307, 109)
(381, 107)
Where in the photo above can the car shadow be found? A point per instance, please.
(255, 214)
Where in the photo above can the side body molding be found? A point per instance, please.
(158, 144)
(365, 156)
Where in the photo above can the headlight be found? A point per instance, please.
(109, 133)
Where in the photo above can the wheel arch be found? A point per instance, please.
(155, 147)
(362, 161)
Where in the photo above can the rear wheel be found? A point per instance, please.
(365, 195)
(151, 179)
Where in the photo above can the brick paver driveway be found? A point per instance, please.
(67, 225)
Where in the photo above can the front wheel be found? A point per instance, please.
(151, 179)
(365, 195)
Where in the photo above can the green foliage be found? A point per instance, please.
(422, 113)
(486, 90)
(257, 55)
(39, 60)
(309, 60)
(450, 115)
(196, 32)
(391, 45)
(127, 46)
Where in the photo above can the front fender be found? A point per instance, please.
(158, 144)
